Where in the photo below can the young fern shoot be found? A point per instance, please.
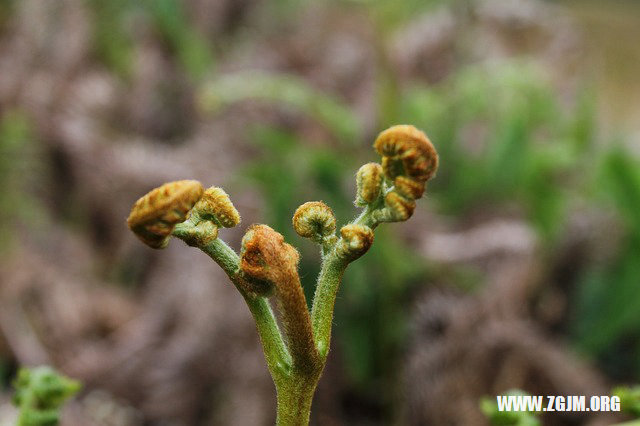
(40, 394)
(268, 267)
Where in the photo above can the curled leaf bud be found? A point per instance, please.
(356, 241)
(369, 183)
(216, 206)
(406, 151)
(266, 259)
(269, 264)
(314, 220)
(400, 207)
(154, 215)
(409, 188)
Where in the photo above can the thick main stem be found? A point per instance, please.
(294, 400)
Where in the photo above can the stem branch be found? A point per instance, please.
(275, 351)
(327, 286)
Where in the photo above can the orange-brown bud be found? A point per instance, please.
(408, 152)
(216, 206)
(369, 183)
(400, 207)
(314, 220)
(269, 264)
(409, 188)
(265, 255)
(356, 241)
(154, 215)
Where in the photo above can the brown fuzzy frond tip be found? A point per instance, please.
(407, 151)
(401, 208)
(356, 241)
(314, 219)
(154, 215)
(216, 205)
(368, 183)
(409, 188)
(266, 257)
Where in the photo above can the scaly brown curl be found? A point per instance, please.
(154, 215)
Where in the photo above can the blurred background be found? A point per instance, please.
(519, 269)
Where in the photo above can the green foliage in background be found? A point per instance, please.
(629, 399)
(112, 38)
(6, 9)
(19, 166)
(507, 142)
(607, 323)
(114, 24)
(40, 394)
(511, 146)
(287, 91)
(190, 47)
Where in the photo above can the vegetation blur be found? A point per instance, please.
(278, 102)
